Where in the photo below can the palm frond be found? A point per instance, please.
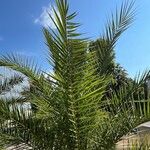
(120, 22)
(19, 63)
(104, 46)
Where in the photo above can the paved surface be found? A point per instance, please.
(142, 136)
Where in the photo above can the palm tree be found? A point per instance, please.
(67, 108)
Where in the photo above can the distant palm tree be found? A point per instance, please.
(68, 112)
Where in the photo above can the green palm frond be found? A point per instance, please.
(104, 46)
(21, 64)
(119, 23)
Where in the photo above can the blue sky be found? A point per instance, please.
(21, 29)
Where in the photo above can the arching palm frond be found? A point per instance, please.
(23, 65)
(116, 26)
(119, 23)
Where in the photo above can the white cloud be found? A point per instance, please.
(17, 89)
(44, 18)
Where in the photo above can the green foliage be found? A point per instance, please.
(67, 111)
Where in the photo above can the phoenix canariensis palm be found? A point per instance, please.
(67, 112)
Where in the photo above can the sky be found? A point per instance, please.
(21, 24)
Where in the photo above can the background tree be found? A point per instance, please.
(107, 65)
